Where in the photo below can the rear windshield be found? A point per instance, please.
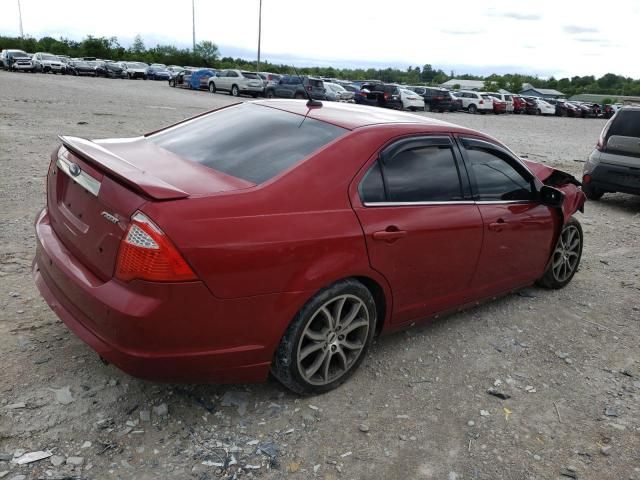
(248, 141)
(626, 124)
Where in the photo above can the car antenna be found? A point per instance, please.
(311, 102)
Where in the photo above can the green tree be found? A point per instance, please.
(138, 45)
(208, 52)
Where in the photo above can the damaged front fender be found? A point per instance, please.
(574, 197)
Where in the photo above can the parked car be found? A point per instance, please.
(609, 110)
(507, 98)
(475, 102)
(16, 60)
(47, 63)
(435, 99)
(174, 70)
(158, 71)
(109, 70)
(188, 225)
(411, 100)
(499, 106)
(456, 103)
(269, 78)
(80, 67)
(614, 165)
(236, 83)
(385, 95)
(337, 93)
(181, 79)
(199, 79)
(519, 104)
(133, 70)
(294, 86)
(538, 106)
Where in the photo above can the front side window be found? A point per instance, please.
(495, 178)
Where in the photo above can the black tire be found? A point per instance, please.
(285, 367)
(212, 87)
(592, 192)
(472, 108)
(144, 77)
(551, 279)
(172, 83)
(235, 92)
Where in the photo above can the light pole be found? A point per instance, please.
(259, 34)
(20, 16)
(193, 12)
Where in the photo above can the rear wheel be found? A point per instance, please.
(565, 258)
(212, 87)
(592, 192)
(473, 108)
(327, 340)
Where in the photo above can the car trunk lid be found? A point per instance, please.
(93, 189)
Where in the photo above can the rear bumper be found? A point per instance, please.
(615, 178)
(167, 332)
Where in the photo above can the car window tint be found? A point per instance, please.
(422, 175)
(248, 141)
(626, 124)
(372, 187)
(495, 178)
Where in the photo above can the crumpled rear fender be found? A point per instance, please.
(574, 198)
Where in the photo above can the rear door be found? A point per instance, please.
(423, 232)
(518, 230)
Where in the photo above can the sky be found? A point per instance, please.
(544, 37)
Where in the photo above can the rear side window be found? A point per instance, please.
(250, 75)
(316, 83)
(248, 141)
(626, 124)
(425, 174)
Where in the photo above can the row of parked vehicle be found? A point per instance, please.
(370, 92)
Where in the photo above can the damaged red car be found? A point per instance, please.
(280, 237)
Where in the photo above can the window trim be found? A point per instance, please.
(466, 143)
(412, 142)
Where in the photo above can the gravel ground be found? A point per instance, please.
(418, 408)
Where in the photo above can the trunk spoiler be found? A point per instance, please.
(122, 170)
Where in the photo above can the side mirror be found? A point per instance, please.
(550, 196)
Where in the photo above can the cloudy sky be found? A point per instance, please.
(541, 37)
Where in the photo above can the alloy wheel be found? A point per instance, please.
(333, 339)
(566, 256)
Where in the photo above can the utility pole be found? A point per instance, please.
(193, 11)
(20, 16)
(259, 34)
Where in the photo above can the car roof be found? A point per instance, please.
(352, 116)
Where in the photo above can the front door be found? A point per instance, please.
(422, 230)
(518, 230)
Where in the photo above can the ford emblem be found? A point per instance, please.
(74, 169)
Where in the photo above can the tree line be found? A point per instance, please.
(207, 54)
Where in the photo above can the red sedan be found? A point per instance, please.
(273, 236)
(499, 106)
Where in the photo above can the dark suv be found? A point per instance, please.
(614, 165)
(435, 99)
(293, 86)
(379, 95)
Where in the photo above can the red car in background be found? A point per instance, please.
(519, 105)
(287, 240)
(499, 106)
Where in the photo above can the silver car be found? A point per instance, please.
(46, 62)
(237, 82)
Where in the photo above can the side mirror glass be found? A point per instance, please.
(550, 196)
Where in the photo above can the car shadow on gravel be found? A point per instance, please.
(621, 202)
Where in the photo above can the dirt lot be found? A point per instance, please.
(417, 409)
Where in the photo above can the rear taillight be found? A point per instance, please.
(481, 102)
(586, 179)
(146, 253)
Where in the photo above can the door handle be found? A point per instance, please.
(391, 234)
(498, 225)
